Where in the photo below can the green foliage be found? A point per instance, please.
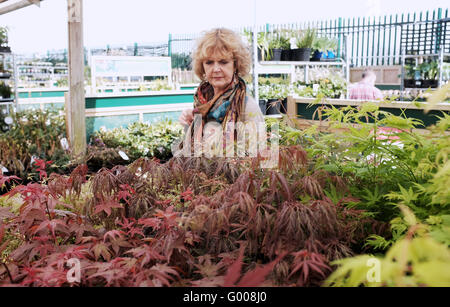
(332, 86)
(414, 260)
(5, 90)
(35, 133)
(279, 40)
(3, 36)
(429, 70)
(324, 44)
(181, 60)
(63, 82)
(263, 42)
(273, 91)
(306, 38)
(141, 139)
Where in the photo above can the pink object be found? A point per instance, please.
(386, 133)
(364, 91)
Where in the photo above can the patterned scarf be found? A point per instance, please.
(226, 107)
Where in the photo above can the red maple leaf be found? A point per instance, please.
(106, 206)
(113, 234)
(41, 165)
(308, 262)
(53, 225)
(252, 278)
(169, 217)
(7, 179)
(125, 192)
(187, 195)
(150, 222)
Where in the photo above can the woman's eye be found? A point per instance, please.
(208, 62)
(223, 62)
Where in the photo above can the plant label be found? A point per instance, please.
(8, 120)
(123, 155)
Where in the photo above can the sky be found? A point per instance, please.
(123, 22)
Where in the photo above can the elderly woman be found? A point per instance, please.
(220, 60)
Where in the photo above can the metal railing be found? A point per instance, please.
(372, 41)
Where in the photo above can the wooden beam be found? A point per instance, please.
(18, 5)
(75, 109)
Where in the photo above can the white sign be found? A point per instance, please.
(130, 66)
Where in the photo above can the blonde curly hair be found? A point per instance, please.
(223, 42)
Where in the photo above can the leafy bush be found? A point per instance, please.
(187, 222)
(333, 86)
(141, 139)
(416, 259)
(338, 195)
(306, 38)
(34, 134)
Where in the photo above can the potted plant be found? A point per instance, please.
(264, 51)
(305, 41)
(324, 48)
(5, 91)
(320, 47)
(332, 48)
(429, 72)
(276, 103)
(263, 92)
(277, 43)
(408, 82)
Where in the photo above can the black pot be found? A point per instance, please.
(283, 106)
(259, 55)
(5, 49)
(429, 83)
(263, 106)
(317, 56)
(276, 54)
(286, 55)
(409, 83)
(301, 54)
(273, 106)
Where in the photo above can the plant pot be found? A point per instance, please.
(430, 83)
(273, 106)
(263, 106)
(276, 55)
(283, 106)
(409, 83)
(317, 55)
(267, 56)
(286, 55)
(301, 54)
(5, 49)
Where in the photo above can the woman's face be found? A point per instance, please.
(219, 71)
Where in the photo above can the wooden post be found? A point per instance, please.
(76, 102)
(291, 111)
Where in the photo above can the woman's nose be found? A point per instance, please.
(216, 67)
